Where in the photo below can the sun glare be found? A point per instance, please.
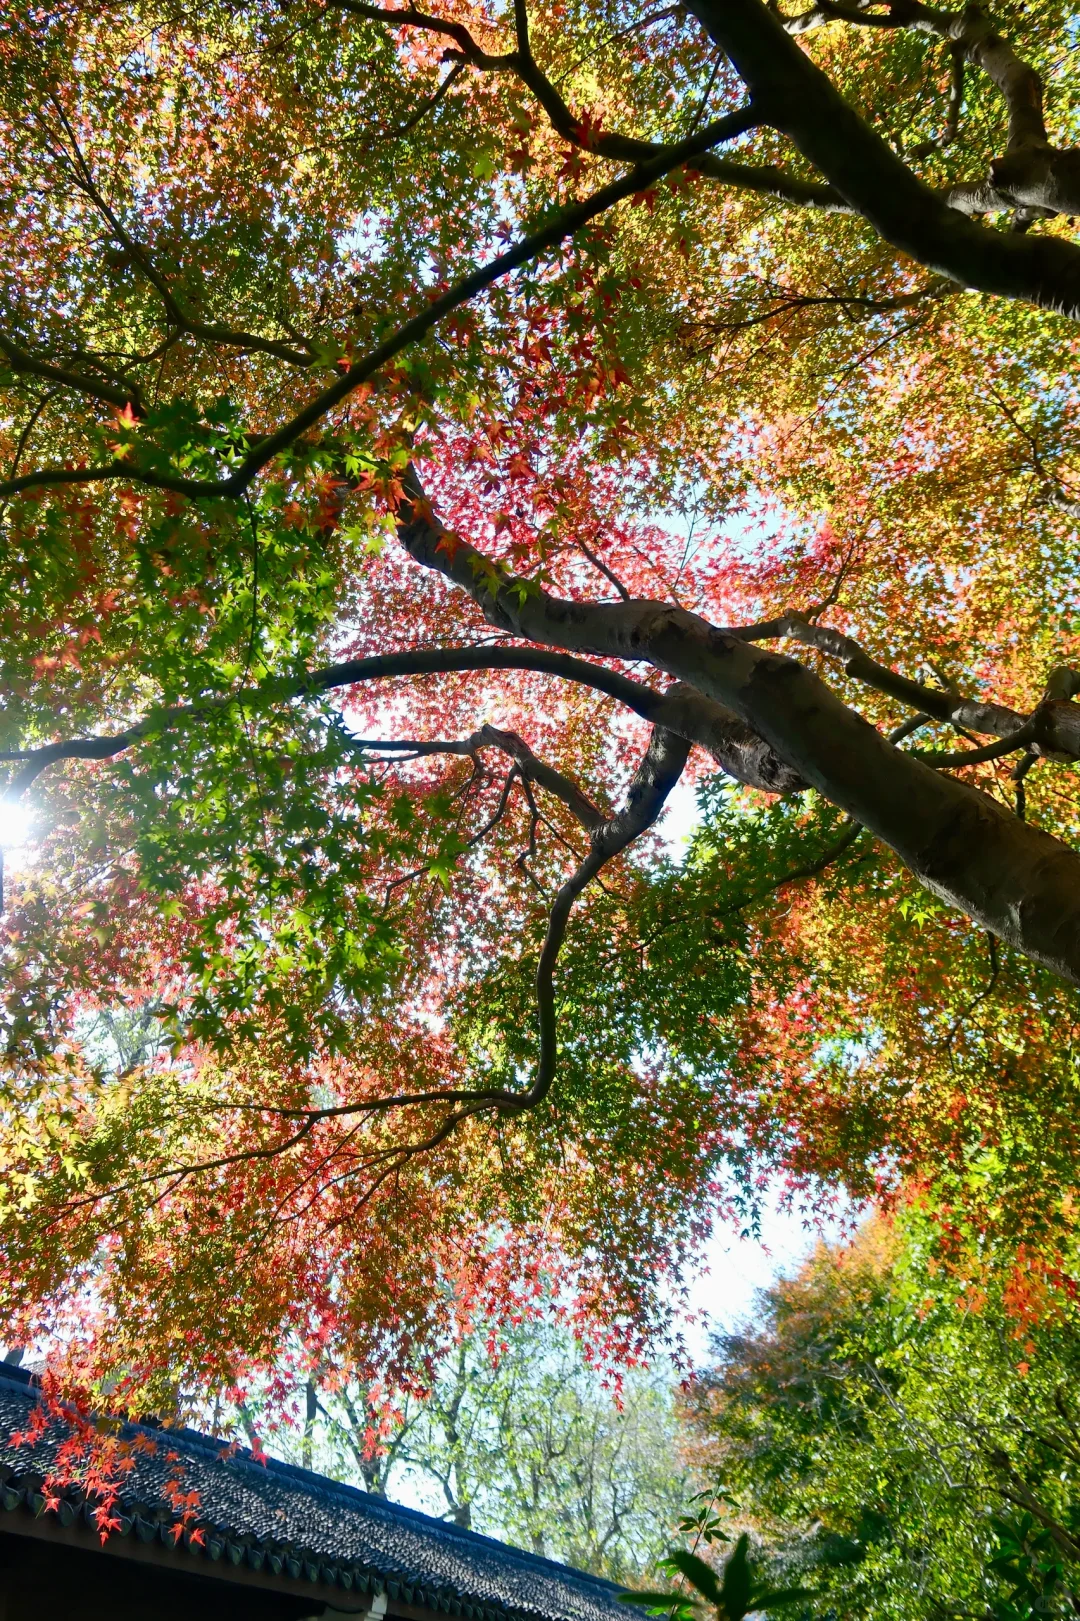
(15, 823)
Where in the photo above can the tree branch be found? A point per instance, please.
(771, 181)
(763, 178)
(83, 178)
(601, 567)
(23, 363)
(851, 304)
(992, 751)
(1053, 729)
(653, 781)
(428, 106)
(955, 106)
(411, 17)
(1033, 174)
(566, 223)
(660, 769)
(691, 714)
(531, 767)
(798, 99)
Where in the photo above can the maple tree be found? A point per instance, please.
(416, 424)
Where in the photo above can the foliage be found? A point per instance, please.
(347, 361)
(733, 1594)
(903, 1434)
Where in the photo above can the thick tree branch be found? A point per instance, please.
(771, 181)
(521, 61)
(1013, 879)
(828, 12)
(690, 714)
(412, 17)
(797, 98)
(763, 178)
(973, 33)
(1033, 176)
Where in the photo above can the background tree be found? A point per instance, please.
(521, 1438)
(901, 1436)
(416, 425)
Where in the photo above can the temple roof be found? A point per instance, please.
(277, 1518)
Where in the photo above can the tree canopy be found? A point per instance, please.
(902, 1444)
(429, 437)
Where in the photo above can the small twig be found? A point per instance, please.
(954, 108)
(429, 106)
(488, 827)
(995, 968)
(609, 574)
(254, 581)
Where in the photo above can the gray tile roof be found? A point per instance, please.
(280, 1519)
